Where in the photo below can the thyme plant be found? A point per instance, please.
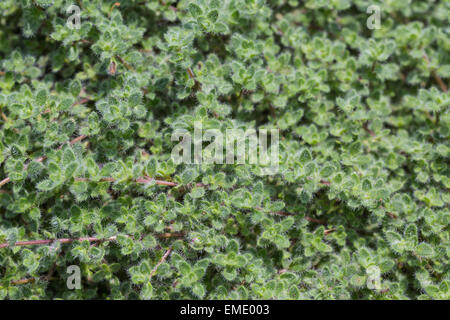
(91, 93)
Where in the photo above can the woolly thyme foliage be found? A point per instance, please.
(357, 210)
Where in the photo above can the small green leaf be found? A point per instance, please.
(424, 250)
(68, 156)
(305, 156)
(213, 15)
(199, 290)
(70, 170)
(75, 88)
(46, 185)
(327, 171)
(41, 97)
(197, 192)
(195, 10)
(188, 176)
(366, 185)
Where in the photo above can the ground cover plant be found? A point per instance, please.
(92, 92)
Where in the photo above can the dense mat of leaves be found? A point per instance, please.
(86, 122)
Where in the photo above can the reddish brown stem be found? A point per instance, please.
(310, 219)
(126, 64)
(164, 257)
(272, 111)
(145, 179)
(436, 76)
(138, 180)
(191, 73)
(170, 235)
(281, 213)
(439, 81)
(90, 239)
(366, 128)
(116, 4)
(5, 181)
(390, 214)
(23, 281)
(77, 139)
(287, 214)
(325, 182)
(159, 182)
(62, 240)
(81, 101)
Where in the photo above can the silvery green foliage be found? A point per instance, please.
(364, 125)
